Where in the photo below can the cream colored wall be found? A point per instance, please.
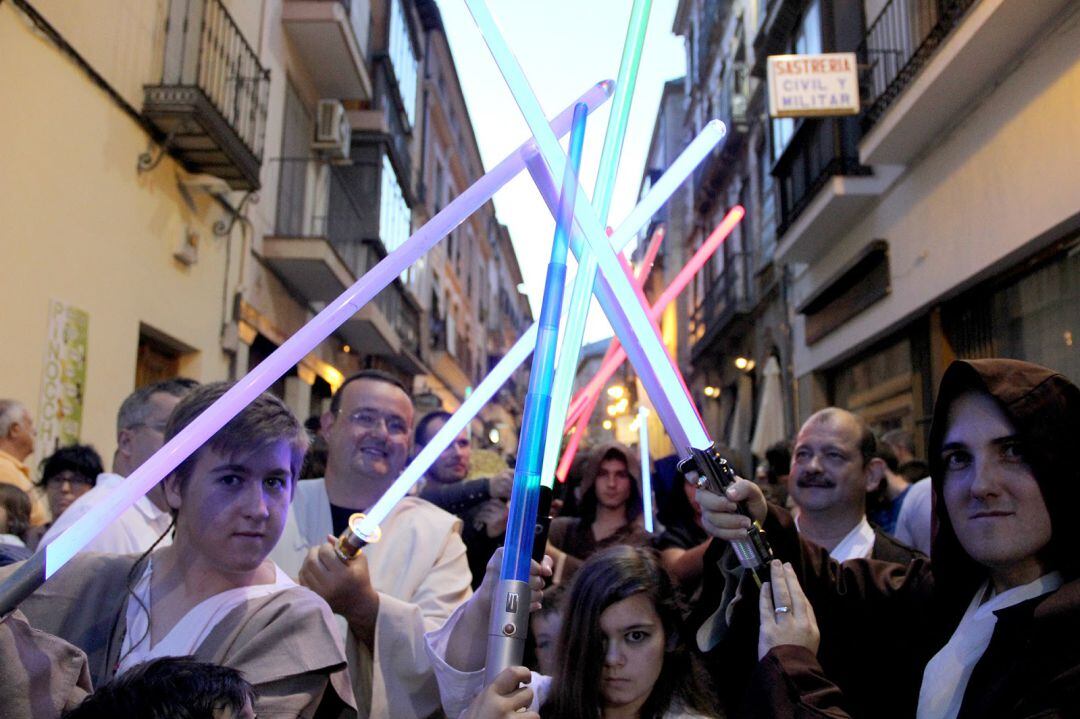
(82, 226)
(1004, 176)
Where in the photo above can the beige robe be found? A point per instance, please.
(421, 573)
(41, 676)
(285, 644)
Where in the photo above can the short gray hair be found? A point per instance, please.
(11, 412)
(136, 408)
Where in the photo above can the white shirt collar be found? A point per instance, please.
(856, 544)
(946, 676)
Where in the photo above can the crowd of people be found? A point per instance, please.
(900, 587)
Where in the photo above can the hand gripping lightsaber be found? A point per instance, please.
(642, 213)
(623, 306)
(42, 565)
(510, 619)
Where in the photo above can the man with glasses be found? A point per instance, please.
(140, 431)
(398, 588)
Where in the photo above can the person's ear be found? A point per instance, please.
(326, 421)
(874, 474)
(171, 485)
(124, 439)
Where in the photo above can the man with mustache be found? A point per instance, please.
(398, 588)
(833, 466)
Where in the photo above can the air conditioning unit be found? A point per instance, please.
(333, 134)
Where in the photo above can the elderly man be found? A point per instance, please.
(833, 466)
(16, 444)
(397, 589)
(140, 431)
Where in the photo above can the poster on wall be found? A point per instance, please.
(60, 410)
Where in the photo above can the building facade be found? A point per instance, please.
(941, 222)
(235, 167)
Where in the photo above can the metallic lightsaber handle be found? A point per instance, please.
(508, 627)
(714, 474)
(352, 540)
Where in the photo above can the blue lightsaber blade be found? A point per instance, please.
(621, 302)
(510, 619)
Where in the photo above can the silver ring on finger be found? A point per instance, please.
(782, 610)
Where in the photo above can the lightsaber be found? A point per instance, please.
(43, 565)
(510, 621)
(581, 295)
(661, 191)
(575, 439)
(623, 306)
(646, 468)
(610, 364)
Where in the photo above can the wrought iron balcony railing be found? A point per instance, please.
(211, 103)
(820, 149)
(898, 43)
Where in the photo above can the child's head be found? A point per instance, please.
(230, 498)
(69, 473)
(622, 641)
(172, 687)
(546, 625)
(14, 511)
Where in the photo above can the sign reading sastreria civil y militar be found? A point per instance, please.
(806, 85)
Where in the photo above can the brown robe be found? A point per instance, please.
(1032, 664)
(286, 644)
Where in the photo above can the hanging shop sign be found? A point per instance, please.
(813, 85)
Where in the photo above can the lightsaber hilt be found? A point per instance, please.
(714, 474)
(353, 539)
(508, 627)
(543, 523)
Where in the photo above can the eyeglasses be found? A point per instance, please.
(72, 477)
(369, 419)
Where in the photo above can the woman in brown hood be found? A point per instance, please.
(990, 627)
(609, 512)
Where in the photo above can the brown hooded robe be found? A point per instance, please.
(1032, 664)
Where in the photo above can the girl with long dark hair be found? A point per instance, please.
(622, 652)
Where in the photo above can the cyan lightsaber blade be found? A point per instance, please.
(642, 213)
(510, 614)
(44, 564)
(624, 307)
(582, 292)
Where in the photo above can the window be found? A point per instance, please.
(403, 59)
(805, 41)
(394, 216)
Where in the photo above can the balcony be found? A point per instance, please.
(385, 127)
(331, 41)
(725, 308)
(931, 62)
(824, 189)
(319, 250)
(445, 359)
(714, 173)
(211, 103)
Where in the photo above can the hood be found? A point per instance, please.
(1044, 407)
(597, 455)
